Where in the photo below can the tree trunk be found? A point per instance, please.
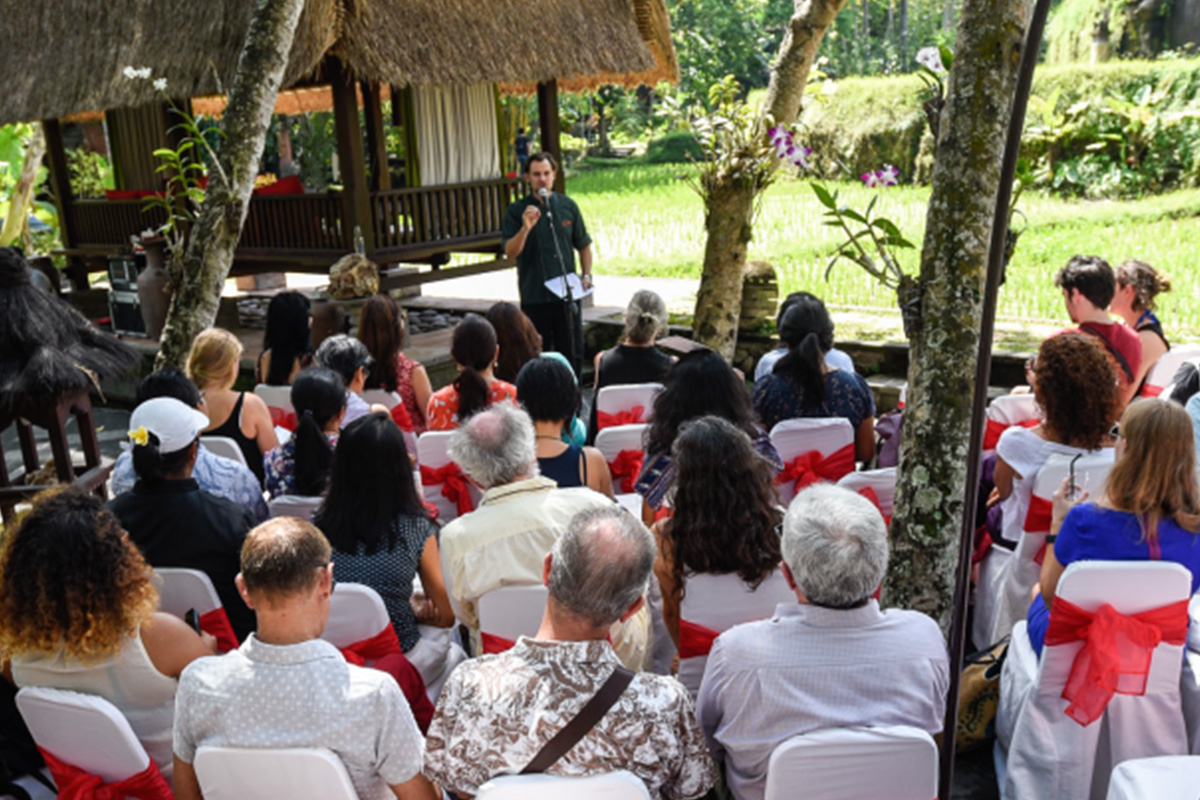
(21, 199)
(865, 32)
(933, 450)
(213, 237)
(730, 207)
(948, 14)
(903, 24)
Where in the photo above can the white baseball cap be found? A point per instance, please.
(175, 423)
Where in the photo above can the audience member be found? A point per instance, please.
(833, 357)
(700, 383)
(522, 514)
(214, 474)
(287, 688)
(517, 339)
(547, 391)
(498, 712)
(301, 465)
(213, 365)
(382, 536)
(718, 555)
(167, 515)
(803, 384)
(1088, 285)
(328, 319)
(474, 350)
(78, 611)
(348, 357)
(382, 330)
(1138, 284)
(635, 359)
(1149, 509)
(834, 660)
(289, 330)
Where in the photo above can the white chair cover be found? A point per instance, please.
(307, 773)
(275, 396)
(1013, 409)
(1161, 778)
(356, 612)
(224, 447)
(626, 396)
(610, 442)
(181, 590)
(1189, 681)
(83, 730)
(880, 481)
(294, 505)
(609, 786)
(1162, 374)
(794, 437)
(512, 611)
(388, 400)
(895, 762)
(431, 452)
(1041, 753)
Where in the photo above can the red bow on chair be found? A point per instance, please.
(283, 419)
(495, 644)
(402, 418)
(1038, 520)
(1116, 653)
(695, 640)
(216, 623)
(994, 427)
(454, 485)
(384, 643)
(811, 467)
(870, 494)
(1149, 390)
(625, 468)
(75, 784)
(631, 416)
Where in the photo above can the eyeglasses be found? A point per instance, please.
(1031, 364)
(1115, 431)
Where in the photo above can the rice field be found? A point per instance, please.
(647, 220)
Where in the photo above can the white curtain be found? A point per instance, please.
(456, 133)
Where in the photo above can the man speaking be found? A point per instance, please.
(542, 231)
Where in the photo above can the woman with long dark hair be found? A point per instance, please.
(719, 554)
(473, 348)
(286, 340)
(301, 465)
(382, 536)
(382, 329)
(802, 384)
(518, 340)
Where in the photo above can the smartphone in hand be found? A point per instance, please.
(193, 619)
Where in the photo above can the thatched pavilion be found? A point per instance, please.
(442, 59)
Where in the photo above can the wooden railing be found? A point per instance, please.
(295, 222)
(111, 222)
(427, 215)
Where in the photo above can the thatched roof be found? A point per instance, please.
(60, 57)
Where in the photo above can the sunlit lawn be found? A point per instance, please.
(647, 220)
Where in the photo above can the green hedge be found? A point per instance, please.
(674, 148)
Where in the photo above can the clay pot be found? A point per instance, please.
(154, 292)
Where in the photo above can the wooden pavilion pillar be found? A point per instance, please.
(60, 183)
(377, 154)
(356, 198)
(547, 100)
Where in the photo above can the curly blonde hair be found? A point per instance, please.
(71, 579)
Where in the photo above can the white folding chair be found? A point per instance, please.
(303, 773)
(625, 397)
(184, 589)
(1008, 410)
(611, 442)
(1044, 754)
(224, 447)
(388, 400)
(1189, 681)
(1162, 374)
(1161, 778)
(294, 505)
(795, 437)
(512, 611)
(880, 481)
(275, 396)
(431, 454)
(619, 785)
(83, 730)
(896, 762)
(356, 612)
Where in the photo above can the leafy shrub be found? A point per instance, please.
(674, 148)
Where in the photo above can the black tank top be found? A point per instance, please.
(628, 364)
(232, 428)
(567, 469)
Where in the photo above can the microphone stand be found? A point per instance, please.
(568, 293)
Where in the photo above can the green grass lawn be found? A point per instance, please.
(647, 220)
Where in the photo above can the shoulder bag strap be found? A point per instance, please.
(592, 712)
(1088, 328)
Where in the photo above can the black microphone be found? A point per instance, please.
(544, 193)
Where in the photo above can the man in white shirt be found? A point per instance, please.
(285, 687)
(832, 660)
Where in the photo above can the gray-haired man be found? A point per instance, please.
(834, 660)
(497, 712)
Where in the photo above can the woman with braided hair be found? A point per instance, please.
(1138, 284)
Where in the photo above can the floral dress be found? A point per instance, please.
(280, 465)
(443, 406)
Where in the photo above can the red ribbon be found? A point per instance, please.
(811, 467)
(1039, 515)
(384, 643)
(870, 494)
(216, 622)
(454, 485)
(495, 644)
(1150, 390)
(1116, 653)
(75, 784)
(994, 427)
(626, 467)
(630, 416)
(402, 418)
(283, 419)
(695, 640)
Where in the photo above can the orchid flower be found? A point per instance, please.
(931, 59)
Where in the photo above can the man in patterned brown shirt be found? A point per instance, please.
(496, 712)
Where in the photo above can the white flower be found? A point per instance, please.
(144, 73)
(799, 157)
(931, 59)
(130, 73)
(160, 84)
(889, 176)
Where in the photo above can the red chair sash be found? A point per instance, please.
(75, 784)
(1116, 653)
(1037, 518)
(402, 418)
(454, 485)
(1150, 390)
(870, 494)
(811, 467)
(216, 623)
(630, 416)
(495, 644)
(994, 427)
(384, 643)
(695, 640)
(283, 419)
(625, 469)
